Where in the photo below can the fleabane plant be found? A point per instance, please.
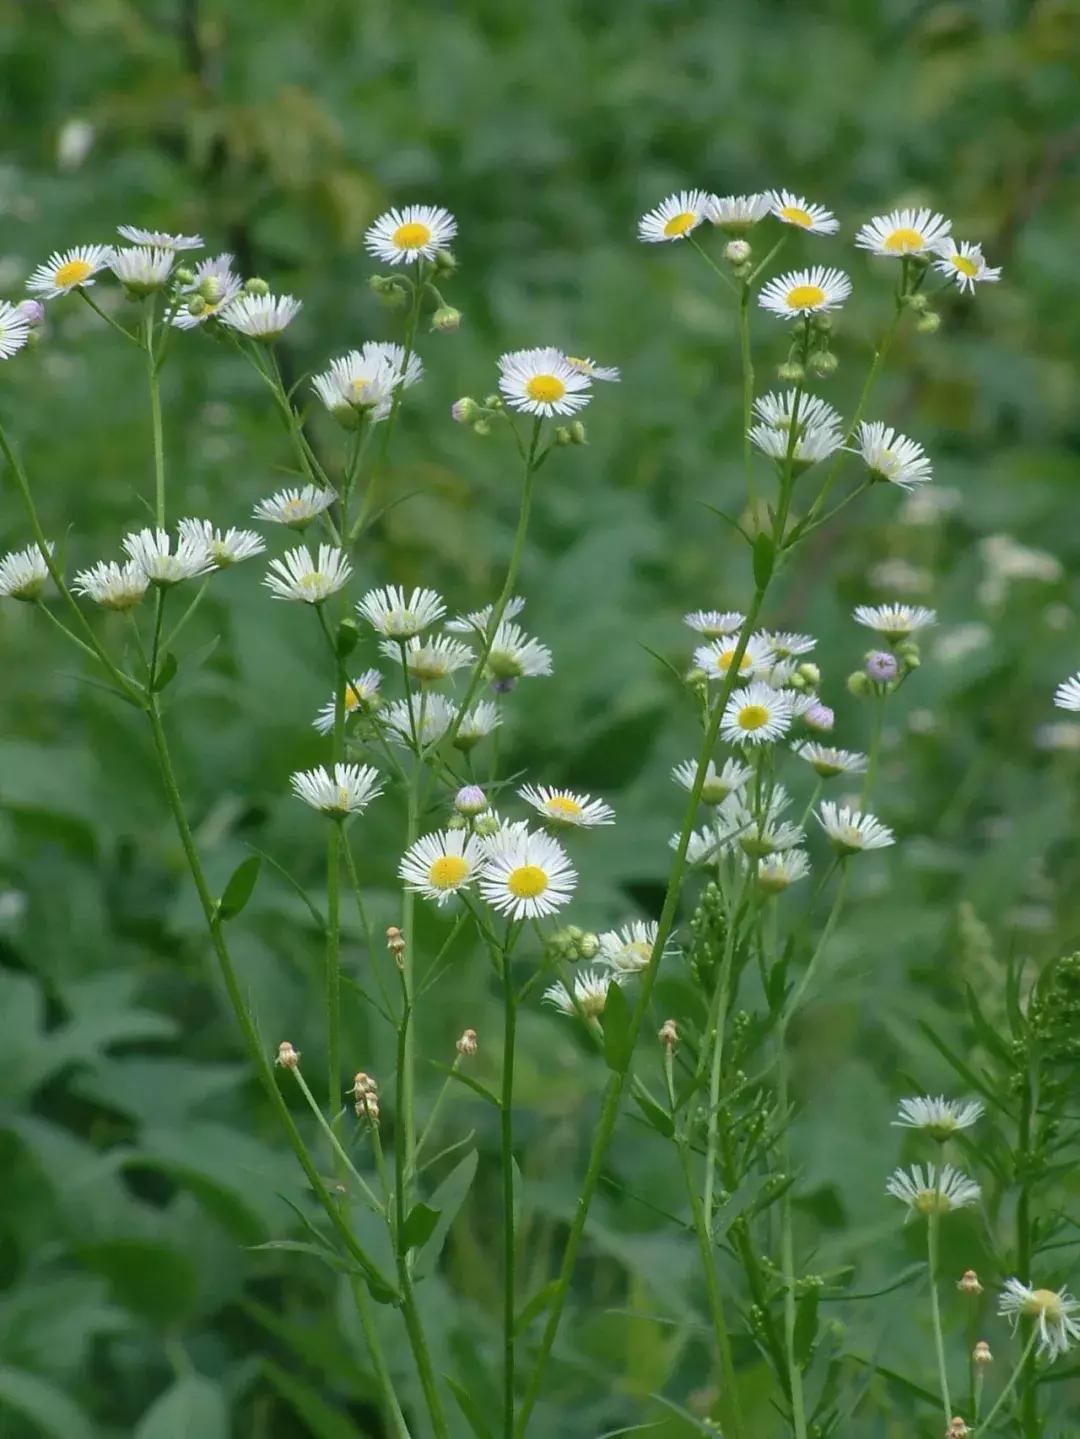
(775, 807)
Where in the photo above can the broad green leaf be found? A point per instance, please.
(44, 1404)
(419, 1226)
(615, 1020)
(447, 1200)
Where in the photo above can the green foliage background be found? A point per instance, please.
(139, 1162)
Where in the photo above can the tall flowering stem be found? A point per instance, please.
(933, 1234)
(153, 374)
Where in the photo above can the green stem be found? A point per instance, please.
(378, 1359)
(361, 910)
(406, 1078)
(506, 1130)
(155, 414)
(748, 397)
(335, 1145)
(333, 965)
(120, 330)
(717, 1024)
(932, 1233)
(874, 751)
(787, 1251)
(436, 1108)
(815, 958)
(1026, 1356)
(1029, 1403)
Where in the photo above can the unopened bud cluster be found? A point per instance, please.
(571, 944)
(365, 1093)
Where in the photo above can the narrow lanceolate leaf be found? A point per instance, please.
(418, 1227)
(618, 1039)
(764, 560)
(240, 887)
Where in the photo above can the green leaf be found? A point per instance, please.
(301, 1246)
(418, 1227)
(470, 1408)
(764, 560)
(193, 1405)
(470, 1083)
(447, 1200)
(654, 1113)
(44, 1404)
(618, 1039)
(806, 1325)
(166, 673)
(535, 1306)
(240, 888)
(986, 1032)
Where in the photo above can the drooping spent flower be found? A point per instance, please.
(778, 871)
(587, 996)
(113, 586)
(932, 1192)
(23, 574)
(1056, 1315)
(349, 790)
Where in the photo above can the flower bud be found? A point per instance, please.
(493, 402)
(562, 436)
(256, 286)
(446, 318)
(467, 1044)
(819, 717)
(981, 1354)
(577, 432)
(929, 323)
(183, 275)
(210, 289)
(445, 262)
(196, 305)
(881, 667)
(470, 800)
(908, 655)
(822, 364)
(395, 943)
(487, 826)
(791, 372)
(481, 428)
(465, 410)
(968, 1283)
(809, 672)
(287, 1057)
(737, 252)
(589, 945)
(669, 1034)
(32, 311)
(858, 685)
(919, 303)
(457, 821)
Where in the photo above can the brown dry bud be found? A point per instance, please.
(669, 1034)
(981, 1353)
(366, 1094)
(287, 1057)
(968, 1283)
(467, 1044)
(957, 1429)
(395, 943)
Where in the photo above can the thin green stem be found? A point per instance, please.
(378, 1360)
(361, 910)
(1026, 1356)
(815, 958)
(1029, 1402)
(405, 1139)
(717, 1025)
(932, 1235)
(333, 965)
(436, 1108)
(874, 751)
(120, 330)
(335, 1145)
(747, 359)
(152, 374)
(506, 1133)
(787, 1250)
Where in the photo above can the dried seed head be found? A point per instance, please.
(957, 1429)
(669, 1034)
(395, 943)
(287, 1057)
(365, 1092)
(968, 1283)
(981, 1353)
(467, 1044)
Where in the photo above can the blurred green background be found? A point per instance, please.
(139, 1161)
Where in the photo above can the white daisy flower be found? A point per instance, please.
(364, 381)
(777, 409)
(214, 286)
(758, 833)
(813, 443)
(151, 550)
(903, 232)
(527, 875)
(477, 724)
(932, 1192)
(438, 865)
(113, 586)
(429, 660)
(714, 624)
(417, 232)
(805, 292)
(591, 370)
(964, 263)
(361, 696)
(14, 329)
(629, 949)
(829, 761)
(794, 210)
(399, 616)
(675, 217)
(349, 790)
(889, 455)
(850, 830)
(68, 270)
(736, 214)
(756, 714)
(542, 382)
(718, 784)
(776, 872)
(142, 270)
(801, 701)
(297, 575)
(477, 621)
(564, 807)
(406, 366)
(226, 547)
(260, 317)
(716, 659)
(895, 622)
(1067, 694)
(296, 507)
(429, 716)
(940, 1117)
(1056, 1315)
(159, 239)
(786, 645)
(23, 574)
(514, 655)
(590, 992)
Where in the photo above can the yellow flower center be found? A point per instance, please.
(753, 717)
(411, 236)
(546, 389)
(931, 1201)
(312, 582)
(639, 951)
(358, 386)
(805, 297)
(680, 224)
(528, 881)
(295, 509)
(794, 216)
(353, 699)
(563, 806)
(1044, 1301)
(965, 265)
(342, 797)
(723, 660)
(73, 273)
(904, 241)
(448, 871)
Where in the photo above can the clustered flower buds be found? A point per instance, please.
(365, 1093)
(287, 1056)
(467, 1044)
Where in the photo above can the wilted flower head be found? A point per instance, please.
(1056, 1315)
(587, 995)
(113, 586)
(23, 574)
(931, 1192)
(349, 790)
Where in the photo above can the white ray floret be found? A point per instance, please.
(812, 443)
(1055, 1312)
(785, 645)
(676, 217)
(361, 696)
(756, 714)
(565, 807)
(527, 875)
(1067, 694)
(964, 263)
(795, 210)
(159, 239)
(400, 616)
(714, 624)
(481, 719)
(587, 996)
(805, 292)
(701, 848)
(889, 455)
(515, 655)
(142, 270)
(718, 784)
(736, 214)
(477, 621)
(895, 622)
(932, 1191)
(415, 232)
(363, 381)
(850, 831)
(588, 367)
(214, 286)
(152, 551)
(542, 382)
(67, 270)
(777, 872)
(628, 950)
(421, 719)
(778, 409)
(829, 761)
(113, 586)
(757, 831)
(14, 329)
(226, 547)
(295, 508)
(23, 574)
(717, 658)
(429, 660)
(903, 232)
(260, 317)
(939, 1116)
(439, 865)
(349, 790)
(310, 579)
